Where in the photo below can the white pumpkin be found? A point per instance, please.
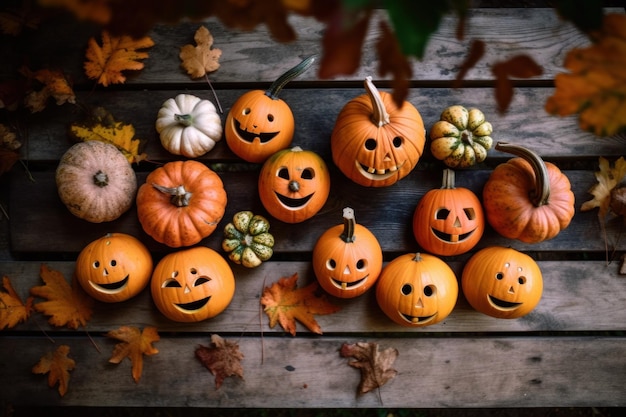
(188, 125)
(95, 181)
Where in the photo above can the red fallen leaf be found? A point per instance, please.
(519, 66)
(375, 366)
(222, 358)
(392, 60)
(476, 52)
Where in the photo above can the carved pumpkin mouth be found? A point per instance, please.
(377, 174)
(502, 304)
(192, 306)
(251, 136)
(293, 203)
(348, 285)
(450, 238)
(112, 287)
(417, 319)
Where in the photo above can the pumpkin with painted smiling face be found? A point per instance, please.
(192, 285)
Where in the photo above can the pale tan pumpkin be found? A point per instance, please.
(95, 181)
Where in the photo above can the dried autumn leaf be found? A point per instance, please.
(9, 146)
(476, 52)
(97, 11)
(55, 85)
(101, 125)
(222, 358)
(595, 87)
(135, 344)
(66, 305)
(284, 304)
(12, 309)
(106, 63)
(393, 61)
(13, 20)
(518, 66)
(608, 177)
(376, 367)
(200, 59)
(58, 366)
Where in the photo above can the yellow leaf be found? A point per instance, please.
(58, 366)
(12, 309)
(608, 177)
(200, 59)
(135, 344)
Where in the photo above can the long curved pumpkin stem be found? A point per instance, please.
(289, 75)
(349, 223)
(541, 194)
(380, 116)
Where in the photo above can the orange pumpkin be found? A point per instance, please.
(417, 290)
(259, 123)
(181, 203)
(192, 285)
(374, 142)
(448, 221)
(502, 282)
(294, 184)
(347, 259)
(114, 268)
(526, 198)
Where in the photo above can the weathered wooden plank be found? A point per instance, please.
(56, 230)
(315, 112)
(577, 296)
(309, 372)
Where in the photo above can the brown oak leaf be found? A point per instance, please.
(376, 367)
(222, 358)
(58, 366)
(66, 305)
(12, 309)
(135, 344)
(518, 66)
(284, 304)
(200, 59)
(55, 85)
(106, 63)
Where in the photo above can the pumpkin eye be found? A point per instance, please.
(200, 281)
(442, 214)
(361, 264)
(370, 144)
(470, 213)
(499, 276)
(429, 290)
(307, 174)
(113, 262)
(397, 141)
(246, 111)
(170, 283)
(407, 289)
(521, 280)
(96, 264)
(331, 264)
(283, 173)
(270, 117)
(193, 271)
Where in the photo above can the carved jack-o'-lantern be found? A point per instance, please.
(259, 123)
(502, 282)
(417, 290)
(192, 285)
(114, 268)
(374, 142)
(347, 259)
(448, 221)
(294, 184)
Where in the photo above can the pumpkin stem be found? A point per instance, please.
(417, 257)
(289, 75)
(101, 179)
(180, 196)
(184, 119)
(447, 182)
(349, 223)
(294, 186)
(541, 194)
(466, 136)
(380, 116)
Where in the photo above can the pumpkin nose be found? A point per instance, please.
(511, 290)
(419, 303)
(105, 272)
(187, 289)
(346, 270)
(457, 222)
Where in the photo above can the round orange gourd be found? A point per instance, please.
(502, 282)
(294, 184)
(181, 203)
(114, 268)
(259, 123)
(448, 221)
(192, 285)
(374, 142)
(347, 259)
(417, 290)
(526, 198)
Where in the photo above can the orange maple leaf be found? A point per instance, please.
(58, 366)
(118, 53)
(375, 366)
(284, 304)
(222, 358)
(200, 59)
(67, 305)
(12, 309)
(135, 344)
(596, 84)
(55, 85)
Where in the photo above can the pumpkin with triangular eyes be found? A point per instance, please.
(417, 290)
(114, 268)
(294, 184)
(502, 282)
(192, 285)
